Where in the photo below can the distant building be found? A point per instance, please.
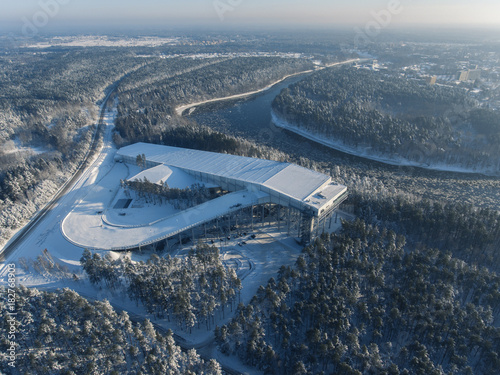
(469, 75)
(431, 80)
(474, 74)
(463, 75)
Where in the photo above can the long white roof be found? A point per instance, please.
(291, 180)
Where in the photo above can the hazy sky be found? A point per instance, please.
(250, 12)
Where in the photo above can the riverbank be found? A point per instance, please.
(180, 110)
(365, 153)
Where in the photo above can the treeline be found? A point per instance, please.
(469, 233)
(396, 117)
(182, 132)
(182, 81)
(191, 291)
(358, 303)
(158, 71)
(191, 196)
(63, 333)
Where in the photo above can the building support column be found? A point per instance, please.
(279, 218)
(270, 215)
(288, 219)
(300, 224)
(251, 214)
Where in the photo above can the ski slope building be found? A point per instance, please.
(293, 192)
(245, 194)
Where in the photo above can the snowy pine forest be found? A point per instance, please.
(395, 117)
(64, 333)
(191, 290)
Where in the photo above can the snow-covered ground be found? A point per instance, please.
(95, 223)
(15, 146)
(256, 262)
(104, 41)
(367, 153)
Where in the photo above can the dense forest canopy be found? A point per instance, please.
(148, 97)
(470, 234)
(394, 116)
(63, 333)
(191, 291)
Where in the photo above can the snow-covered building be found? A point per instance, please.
(287, 185)
(248, 194)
